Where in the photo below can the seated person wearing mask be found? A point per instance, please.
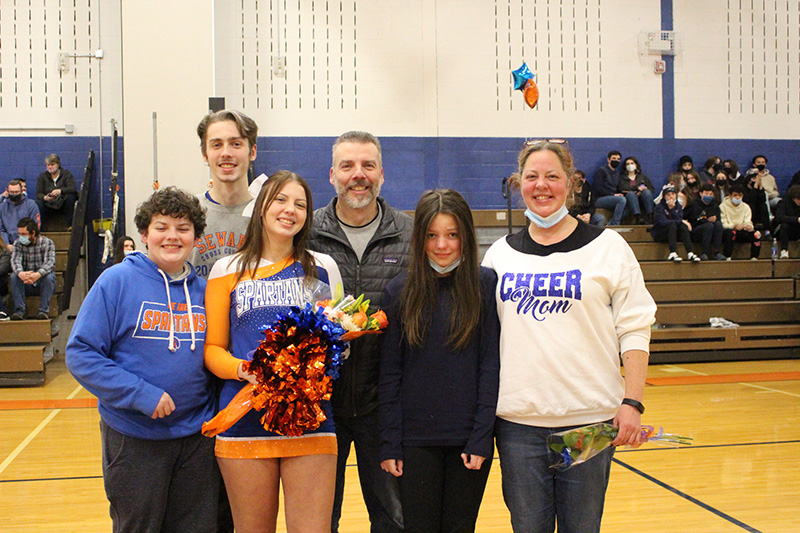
(33, 262)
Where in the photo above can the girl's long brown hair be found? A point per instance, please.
(418, 298)
(249, 255)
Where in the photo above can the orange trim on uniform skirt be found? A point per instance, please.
(273, 447)
(725, 378)
(47, 404)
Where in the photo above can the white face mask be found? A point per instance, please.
(549, 221)
(444, 269)
(631, 167)
(129, 252)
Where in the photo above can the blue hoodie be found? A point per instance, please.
(11, 213)
(127, 349)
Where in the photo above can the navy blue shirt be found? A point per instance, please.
(434, 396)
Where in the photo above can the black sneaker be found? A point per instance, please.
(3, 316)
(17, 316)
(42, 316)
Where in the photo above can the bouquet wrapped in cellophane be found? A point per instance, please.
(352, 314)
(578, 445)
(295, 366)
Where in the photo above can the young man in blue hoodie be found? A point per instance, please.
(137, 345)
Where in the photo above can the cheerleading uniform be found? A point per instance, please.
(237, 313)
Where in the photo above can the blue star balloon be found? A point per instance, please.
(521, 77)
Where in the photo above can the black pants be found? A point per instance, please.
(438, 493)
(788, 232)
(5, 270)
(671, 233)
(160, 485)
(739, 235)
(709, 235)
(379, 489)
(66, 208)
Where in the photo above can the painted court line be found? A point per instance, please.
(32, 435)
(692, 499)
(724, 378)
(8, 405)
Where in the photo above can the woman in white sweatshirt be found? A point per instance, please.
(571, 298)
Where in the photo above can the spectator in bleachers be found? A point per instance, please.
(4, 194)
(676, 181)
(795, 179)
(670, 226)
(583, 207)
(638, 191)
(756, 197)
(692, 187)
(12, 210)
(768, 182)
(605, 188)
(732, 170)
(787, 219)
(703, 215)
(685, 164)
(33, 262)
(709, 170)
(737, 224)
(124, 246)
(721, 185)
(55, 190)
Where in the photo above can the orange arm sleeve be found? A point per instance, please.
(218, 304)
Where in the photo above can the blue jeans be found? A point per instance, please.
(710, 235)
(380, 489)
(538, 495)
(616, 204)
(44, 288)
(639, 203)
(596, 219)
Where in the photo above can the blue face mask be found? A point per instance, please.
(24, 240)
(707, 199)
(444, 269)
(549, 221)
(736, 201)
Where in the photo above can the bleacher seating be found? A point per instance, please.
(25, 345)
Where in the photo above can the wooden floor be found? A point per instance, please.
(742, 474)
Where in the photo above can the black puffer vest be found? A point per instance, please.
(355, 393)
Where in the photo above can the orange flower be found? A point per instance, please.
(380, 316)
(360, 319)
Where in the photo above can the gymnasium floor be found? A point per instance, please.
(740, 475)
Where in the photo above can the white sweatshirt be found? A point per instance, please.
(566, 313)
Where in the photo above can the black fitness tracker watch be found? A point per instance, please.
(634, 403)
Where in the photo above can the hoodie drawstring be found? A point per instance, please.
(172, 346)
(189, 305)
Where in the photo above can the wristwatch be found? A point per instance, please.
(634, 403)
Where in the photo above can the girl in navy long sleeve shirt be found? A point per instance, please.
(440, 370)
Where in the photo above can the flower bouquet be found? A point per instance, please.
(295, 366)
(578, 445)
(351, 314)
